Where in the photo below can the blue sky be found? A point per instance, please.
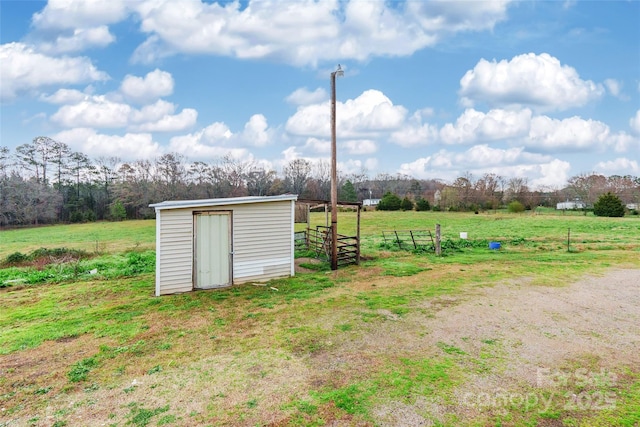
(432, 89)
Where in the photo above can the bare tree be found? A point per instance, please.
(26, 158)
(60, 156)
(321, 173)
(198, 176)
(37, 156)
(235, 172)
(587, 187)
(4, 161)
(296, 174)
(486, 189)
(517, 189)
(79, 164)
(28, 202)
(359, 180)
(259, 181)
(625, 187)
(465, 189)
(171, 172)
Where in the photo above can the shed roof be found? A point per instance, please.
(181, 204)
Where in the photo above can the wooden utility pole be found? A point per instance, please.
(334, 173)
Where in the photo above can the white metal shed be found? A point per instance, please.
(204, 244)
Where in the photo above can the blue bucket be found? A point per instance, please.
(494, 245)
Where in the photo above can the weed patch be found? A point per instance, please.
(353, 399)
(376, 301)
(81, 369)
(450, 349)
(401, 269)
(141, 417)
(411, 378)
(76, 267)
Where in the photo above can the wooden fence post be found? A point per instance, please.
(438, 246)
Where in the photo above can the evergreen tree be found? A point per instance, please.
(389, 202)
(423, 205)
(609, 205)
(117, 211)
(406, 204)
(348, 192)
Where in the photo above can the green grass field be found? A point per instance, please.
(86, 343)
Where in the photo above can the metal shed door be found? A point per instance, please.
(212, 250)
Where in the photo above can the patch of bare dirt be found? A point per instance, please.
(535, 336)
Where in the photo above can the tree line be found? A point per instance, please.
(45, 181)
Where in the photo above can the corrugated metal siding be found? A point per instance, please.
(176, 251)
(262, 241)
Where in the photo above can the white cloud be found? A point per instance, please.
(79, 39)
(371, 111)
(368, 114)
(351, 166)
(131, 146)
(218, 140)
(320, 146)
(154, 85)
(23, 69)
(289, 154)
(360, 147)
(303, 96)
(101, 112)
(414, 135)
(551, 174)
(306, 32)
(574, 133)
(622, 142)
(196, 149)
(73, 25)
(447, 16)
(473, 126)
(485, 156)
(96, 112)
(538, 81)
(613, 86)
(373, 117)
(301, 33)
(415, 132)
(64, 14)
(65, 96)
(170, 123)
(371, 164)
(514, 162)
(620, 166)
(152, 112)
(256, 131)
(634, 122)
(311, 120)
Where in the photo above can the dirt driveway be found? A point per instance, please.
(559, 348)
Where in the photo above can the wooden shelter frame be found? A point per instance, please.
(318, 239)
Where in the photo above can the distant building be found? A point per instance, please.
(632, 206)
(570, 205)
(370, 202)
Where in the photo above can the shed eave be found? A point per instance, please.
(185, 204)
